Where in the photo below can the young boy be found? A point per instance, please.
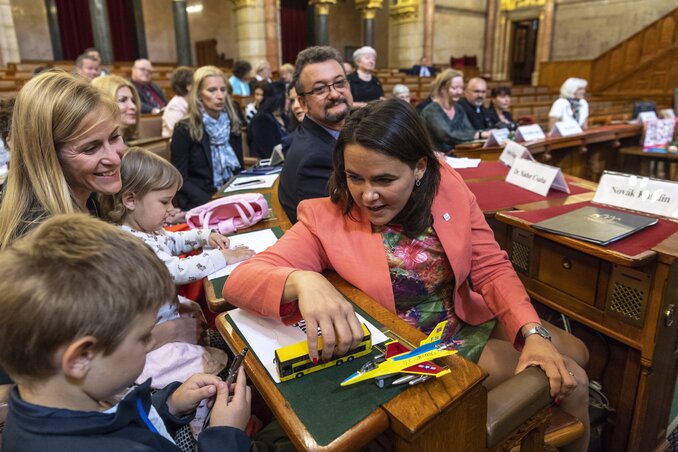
(78, 300)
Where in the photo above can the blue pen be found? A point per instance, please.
(248, 182)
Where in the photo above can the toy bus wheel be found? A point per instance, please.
(339, 362)
(350, 358)
(300, 374)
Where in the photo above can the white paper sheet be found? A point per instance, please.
(257, 240)
(266, 335)
(463, 162)
(251, 182)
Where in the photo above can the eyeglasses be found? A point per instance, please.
(324, 90)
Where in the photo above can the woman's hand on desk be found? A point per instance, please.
(321, 305)
(542, 353)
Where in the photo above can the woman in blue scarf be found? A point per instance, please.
(206, 145)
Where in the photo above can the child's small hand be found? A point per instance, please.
(188, 396)
(237, 254)
(233, 411)
(216, 240)
(175, 216)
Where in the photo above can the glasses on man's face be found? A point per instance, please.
(143, 69)
(324, 90)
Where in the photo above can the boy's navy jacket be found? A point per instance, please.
(36, 428)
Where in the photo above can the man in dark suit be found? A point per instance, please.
(473, 103)
(152, 98)
(423, 69)
(324, 92)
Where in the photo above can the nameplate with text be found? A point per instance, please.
(532, 132)
(497, 137)
(566, 129)
(536, 177)
(513, 151)
(645, 116)
(642, 194)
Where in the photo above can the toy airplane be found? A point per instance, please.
(399, 359)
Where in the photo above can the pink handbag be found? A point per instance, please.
(228, 214)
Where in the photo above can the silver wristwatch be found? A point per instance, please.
(540, 330)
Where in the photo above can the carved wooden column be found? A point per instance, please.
(490, 30)
(250, 30)
(544, 37)
(322, 13)
(409, 32)
(271, 20)
(368, 9)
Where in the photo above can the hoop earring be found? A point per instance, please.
(417, 183)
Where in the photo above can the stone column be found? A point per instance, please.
(408, 31)
(429, 12)
(181, 33)
(368, 10)
(101, 30)
(490, 30)
(250, 30)
(271, 33)
(322, 12)
(544, 37)
(139, 28)
(53, 24)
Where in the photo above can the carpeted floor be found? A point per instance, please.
(673, 440)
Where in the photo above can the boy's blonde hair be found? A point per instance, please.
(73, 276)
(141, 172)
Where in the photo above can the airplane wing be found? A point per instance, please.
(426, 368)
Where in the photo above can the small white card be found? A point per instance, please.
(645, 116)
(532, 132)
(566, 129)
(497, 137)
(642, 194)
(251, 182)
(463, 162)
(536, 177)
(668, 113)
(257, 240)
(513, 151)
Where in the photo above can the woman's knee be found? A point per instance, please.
(568, 344)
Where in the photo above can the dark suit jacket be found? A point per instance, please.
(478, 120)
(416, 69)
(307, 168)
(146, 106)
(264, 133)
(193, 159)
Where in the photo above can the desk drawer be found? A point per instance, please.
(569, 271)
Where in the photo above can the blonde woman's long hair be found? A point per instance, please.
(443, 81)
(49, 113)
(195, 107)
(110, 84)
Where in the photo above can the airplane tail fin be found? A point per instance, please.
(436, 334)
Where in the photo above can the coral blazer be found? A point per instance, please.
(486, 285)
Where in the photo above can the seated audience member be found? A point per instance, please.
(325, 94)
(286, 74)
(212, 128)
(390, 200)
(6, 107)
(296, 111)
(499, 114)
(423, 69)
(177, 107)
(571, 106)
(87, 66)
(444, 117)
(473, 103)
(239, 81)
(262, 73)
(401, 92)
(269, 126)
(127, 98)
(348, 68)
(92, 51)
(252, 108)
(75, 361)
(151, 95)
(365, 86)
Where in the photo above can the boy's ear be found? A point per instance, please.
(129, 201)
(77, 357)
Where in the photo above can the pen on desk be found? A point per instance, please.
(248, 182)
(230, 378)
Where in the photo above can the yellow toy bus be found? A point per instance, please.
(293, 361)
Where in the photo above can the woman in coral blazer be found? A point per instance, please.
(407, 231)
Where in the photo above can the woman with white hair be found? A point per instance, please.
(364, 85)
(571, 106)
(401, 92)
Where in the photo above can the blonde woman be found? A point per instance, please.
(66, 146)
(127, 98)
(206, 146)
(444, 117)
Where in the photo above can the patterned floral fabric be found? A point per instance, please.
(422, 279)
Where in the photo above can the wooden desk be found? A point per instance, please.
(447, 413)
(637, 161)
(630, 299)
(585, 155)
